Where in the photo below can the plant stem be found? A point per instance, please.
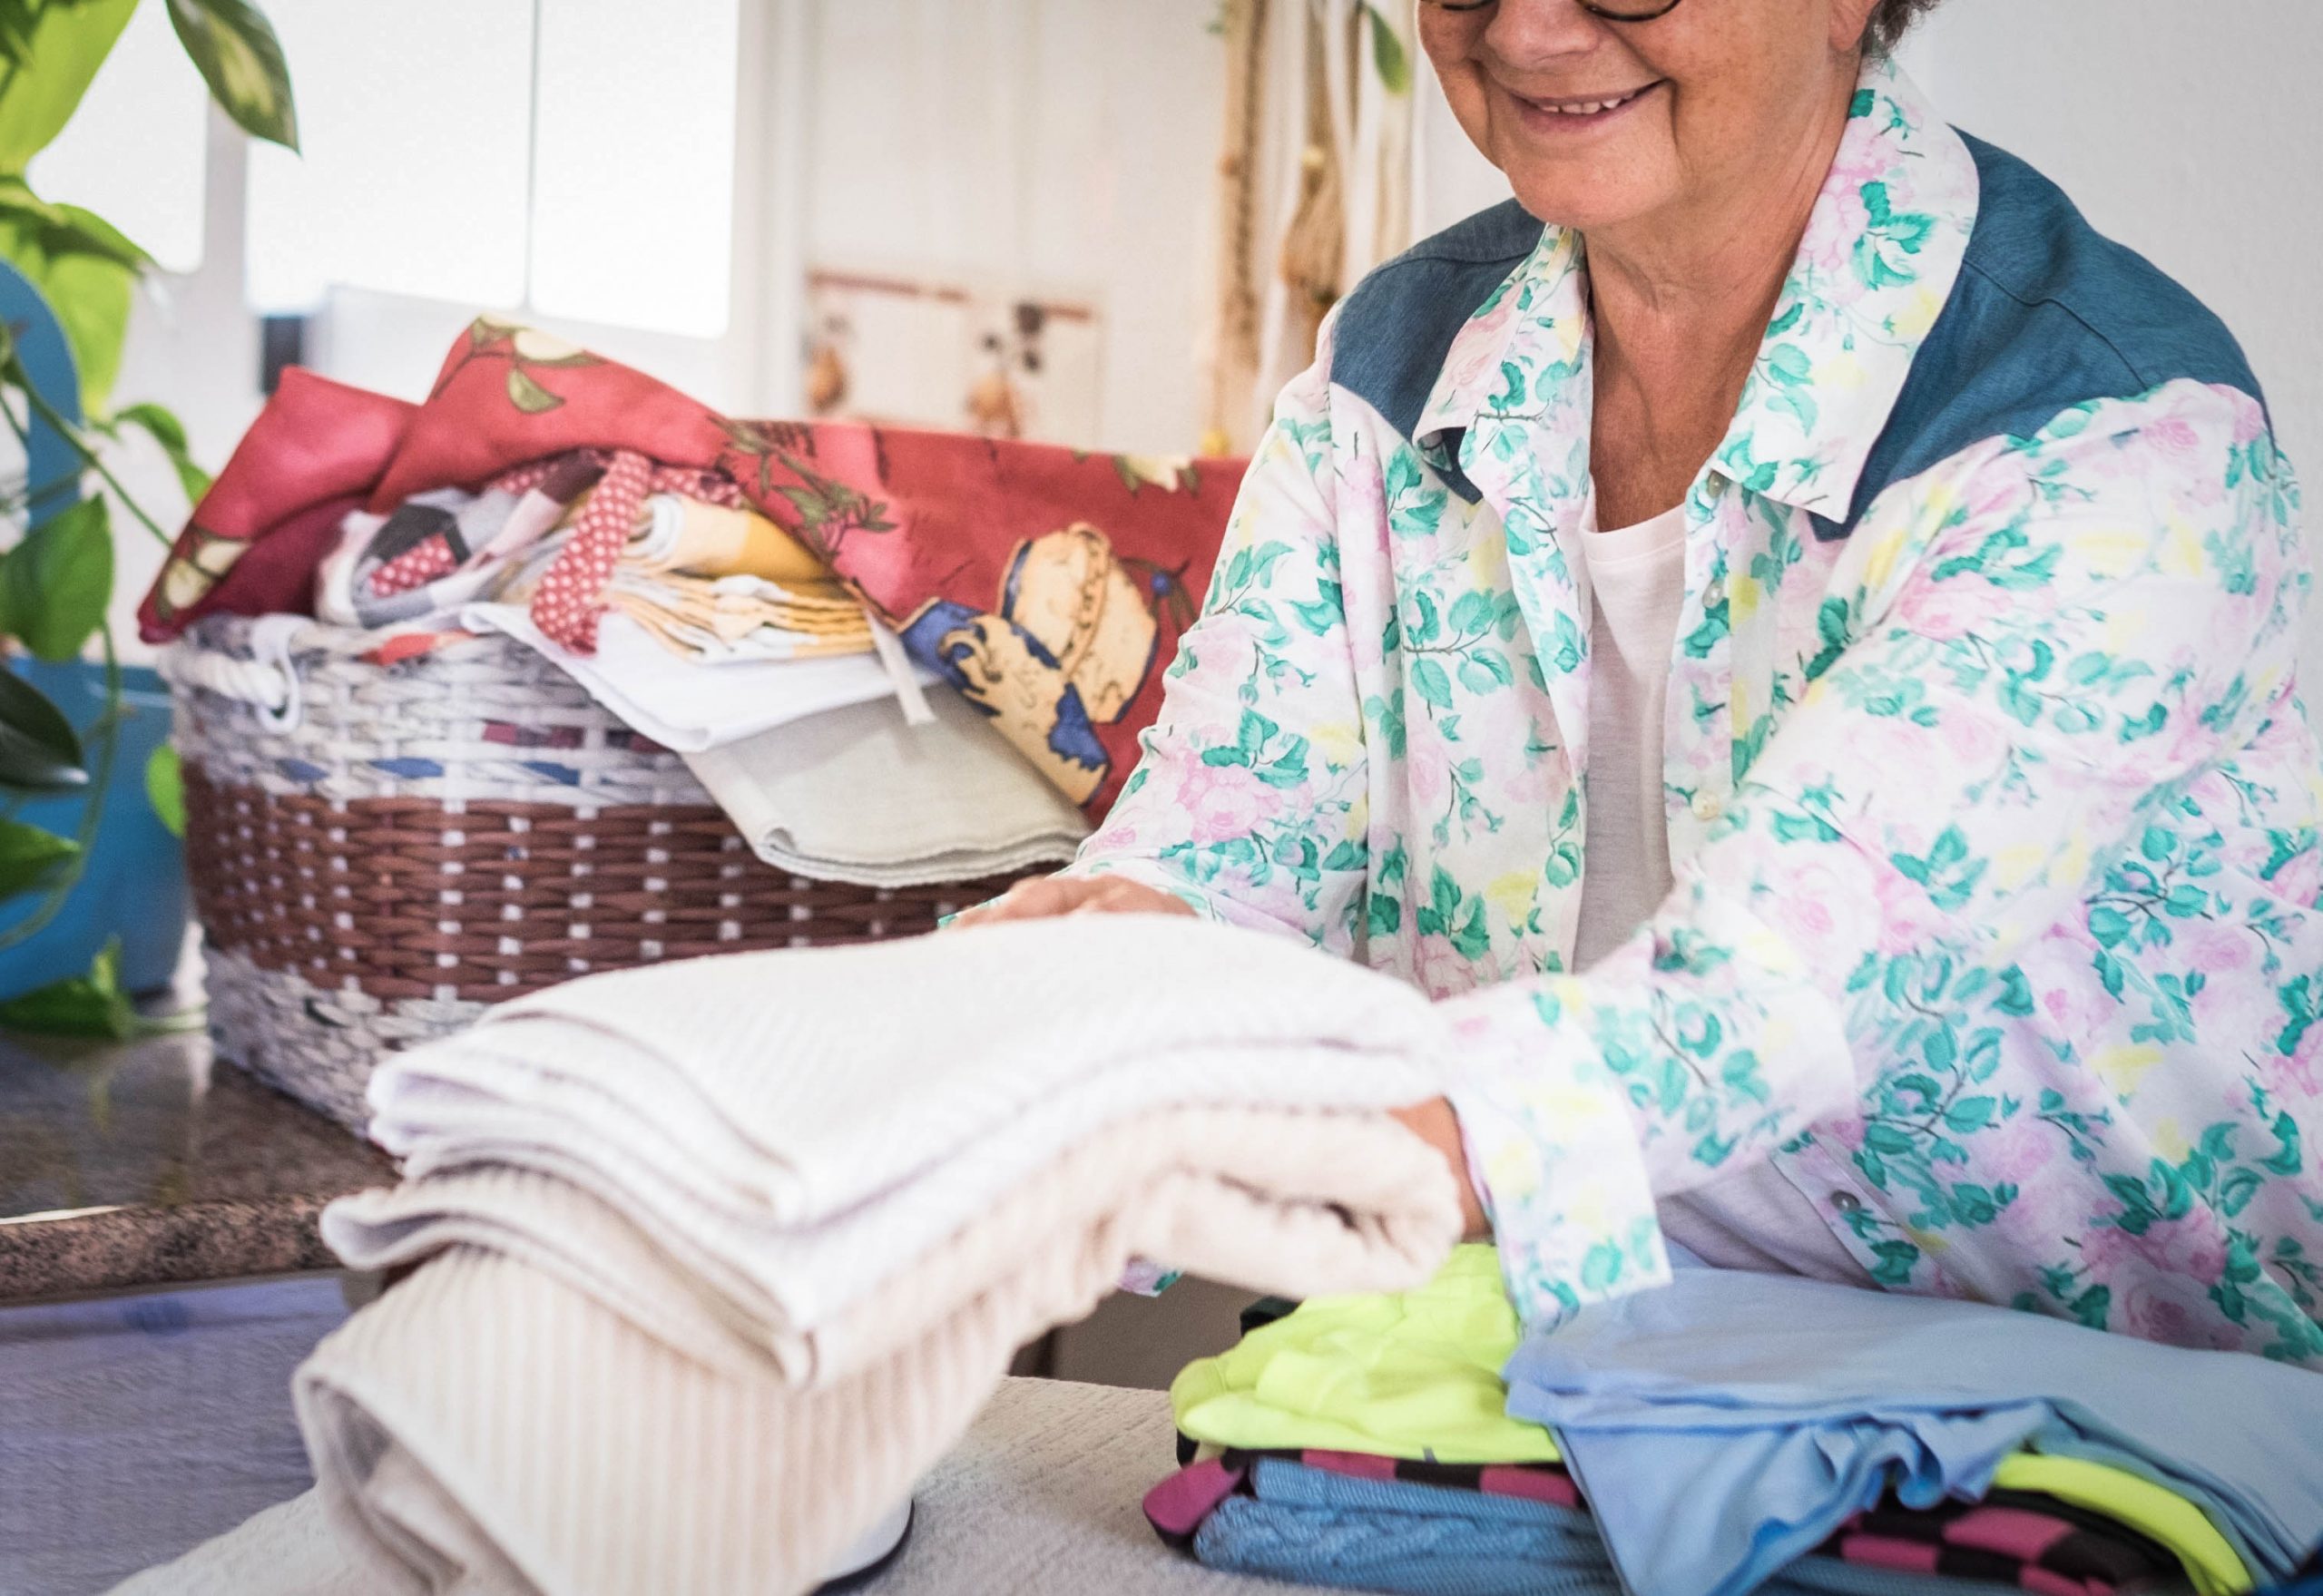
(15, 373)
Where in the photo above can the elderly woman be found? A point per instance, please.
(1795, 654)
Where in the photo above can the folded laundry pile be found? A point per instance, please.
(1726, 1423)
(721, 636)
(858, 794)
(719, 1256)
(560, 498)
(1369, 1443)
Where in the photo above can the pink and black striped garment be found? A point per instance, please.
(2034, 1543)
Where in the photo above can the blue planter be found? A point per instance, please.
(134, 886)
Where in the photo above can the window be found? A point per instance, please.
(550, 155)
(134, 151)
(633, 178)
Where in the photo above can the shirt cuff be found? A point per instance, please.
(1553, 1153)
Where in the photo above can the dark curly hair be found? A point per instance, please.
(1890, 21)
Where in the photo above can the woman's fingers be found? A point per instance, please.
(1048, 897)
(1113, 896)
(1037, 897)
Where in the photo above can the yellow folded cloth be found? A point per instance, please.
(1410, 1374)
(679, 534)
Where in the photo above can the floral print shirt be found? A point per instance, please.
(1993, 821)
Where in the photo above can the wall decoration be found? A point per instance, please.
(908, 352)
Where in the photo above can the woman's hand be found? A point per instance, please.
(1047, 897)
(1434, 1122)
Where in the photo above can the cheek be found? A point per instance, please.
(1463, 91)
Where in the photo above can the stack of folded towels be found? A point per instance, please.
(1734, 1433)
(721, 1256)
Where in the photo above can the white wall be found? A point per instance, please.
(1452, 180)
(1044, 147)
(194, 346)
(2188, 130)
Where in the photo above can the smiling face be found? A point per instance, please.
(1601, 123)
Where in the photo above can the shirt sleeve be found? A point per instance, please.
(2021, 656)
(1249, 802)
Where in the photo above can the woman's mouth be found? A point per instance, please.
(1568, 113)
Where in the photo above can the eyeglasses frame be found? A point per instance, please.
(1593, 7)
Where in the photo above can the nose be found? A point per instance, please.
(1528, 34)
(1545, 23)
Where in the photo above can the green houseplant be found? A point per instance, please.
(57, 575)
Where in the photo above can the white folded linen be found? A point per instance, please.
(858, 795)
(796, 1128)
(717, 1258)
(689, 706)
(490, 1426)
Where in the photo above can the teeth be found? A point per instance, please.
(1588, 108)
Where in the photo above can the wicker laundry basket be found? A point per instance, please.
(380, 851)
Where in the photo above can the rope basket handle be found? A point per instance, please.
(268, 680)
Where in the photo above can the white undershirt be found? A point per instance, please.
(1753, 1219)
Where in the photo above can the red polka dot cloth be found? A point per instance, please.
(435, 558)
(571, 597)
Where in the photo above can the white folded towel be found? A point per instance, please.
(489, 1427)
(859, 795)
(687, 707)
(726, 1253)
(797, 1126)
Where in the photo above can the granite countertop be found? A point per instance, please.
(145, 1163)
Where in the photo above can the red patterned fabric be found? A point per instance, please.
(416, 567)
(1048, 585)
(572, 593)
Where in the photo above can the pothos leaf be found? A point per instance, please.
(81, 1005)
(30, 857)
(1388, 53)
(236, 51)
(165, 789)
(55, 585)
(84, 268)
(39, 751)
(166, 430)
(55, 51)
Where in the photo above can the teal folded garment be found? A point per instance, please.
(1314, 1527)
(1725, 1426)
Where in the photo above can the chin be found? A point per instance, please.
(1560, 201)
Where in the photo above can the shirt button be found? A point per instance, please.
(1706, 806)
(1847, 1202)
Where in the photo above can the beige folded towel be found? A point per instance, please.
(858, 795)
(792, 1129)
(491, 1426)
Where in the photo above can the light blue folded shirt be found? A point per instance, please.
(1728, 1424)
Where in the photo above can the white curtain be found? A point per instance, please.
(1315, 184)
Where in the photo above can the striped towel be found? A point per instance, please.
(725, 1254)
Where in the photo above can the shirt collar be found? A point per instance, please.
(1882, 250)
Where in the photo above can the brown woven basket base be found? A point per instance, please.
(407, 898)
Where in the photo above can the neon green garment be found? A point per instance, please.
(1416, 1373)
(2155, 1512)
